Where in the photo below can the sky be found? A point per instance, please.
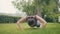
(7, 7)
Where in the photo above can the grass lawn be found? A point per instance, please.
(52, 28)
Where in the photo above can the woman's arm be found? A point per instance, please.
(20, 21)
(44, 23)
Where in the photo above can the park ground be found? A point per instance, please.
(12, 28)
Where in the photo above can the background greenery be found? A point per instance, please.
(8, 19)
(47, 9)
(39, 7)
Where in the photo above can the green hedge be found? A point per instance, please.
(8, 19)
(52, 18)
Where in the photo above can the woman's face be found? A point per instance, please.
(30, 18)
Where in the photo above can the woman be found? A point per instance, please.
(32, 21)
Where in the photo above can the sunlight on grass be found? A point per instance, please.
(52, 28)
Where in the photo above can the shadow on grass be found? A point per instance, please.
(31, 28)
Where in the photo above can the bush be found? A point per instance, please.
(8, 19)
(52, 18)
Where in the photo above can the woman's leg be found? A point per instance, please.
(38, 24)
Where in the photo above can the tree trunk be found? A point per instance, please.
(38, 11)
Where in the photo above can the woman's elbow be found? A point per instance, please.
(17, 22)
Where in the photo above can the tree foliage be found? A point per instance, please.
(42, 7)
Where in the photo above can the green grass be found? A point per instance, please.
(52, 28)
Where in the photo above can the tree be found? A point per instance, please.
(40, 7)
